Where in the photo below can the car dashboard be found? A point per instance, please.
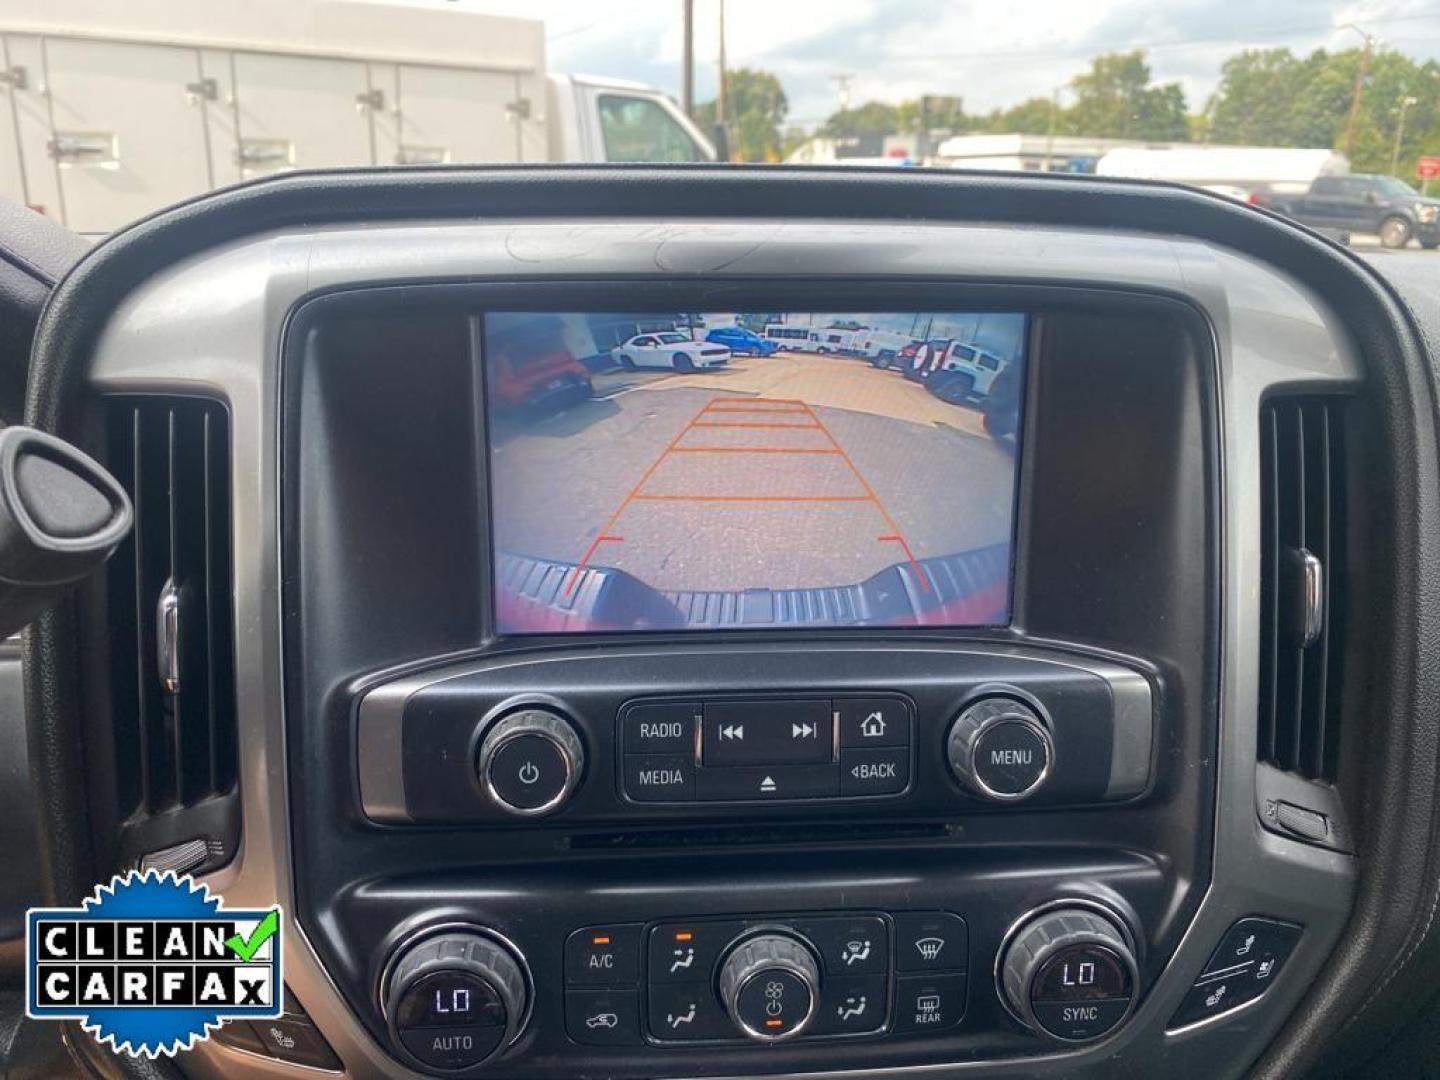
(1067, 742)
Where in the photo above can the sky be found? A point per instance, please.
(989, 52)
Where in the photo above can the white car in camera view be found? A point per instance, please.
(669, 349)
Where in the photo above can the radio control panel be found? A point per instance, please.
(925, 731)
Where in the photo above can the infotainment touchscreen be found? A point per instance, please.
(752, 470)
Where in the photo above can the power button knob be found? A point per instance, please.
(530, 762)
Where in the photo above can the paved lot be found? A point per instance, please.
(787, 471)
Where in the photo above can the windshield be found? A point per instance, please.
(118, 110)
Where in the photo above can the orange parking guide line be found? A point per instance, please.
(755, 498)
(752, 424)
(894, 529)
(754, 450)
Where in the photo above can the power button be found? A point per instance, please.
(530, 762)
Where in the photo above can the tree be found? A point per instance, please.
(755, 110)
(1115, 99)
(1031, 117)
(872, 118)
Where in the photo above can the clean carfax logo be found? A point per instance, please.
(151, 963)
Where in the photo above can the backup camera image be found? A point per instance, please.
(667, 471)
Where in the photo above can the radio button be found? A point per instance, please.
(660, 727)
(660, 777)
(931, 941)
(855, 946)
(603, 956)
(869, 722)
(874, 772)
(763, 783)
(767, 733)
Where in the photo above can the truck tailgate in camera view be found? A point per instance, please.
(676, 483)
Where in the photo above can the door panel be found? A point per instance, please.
(301, 112)
(447, 114)
(127, 134)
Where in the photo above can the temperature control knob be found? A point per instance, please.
(453, 1000)
(999, 748)
(530, 762)
(1069, 972)
(770, 985)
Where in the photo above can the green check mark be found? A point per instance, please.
(245, 948)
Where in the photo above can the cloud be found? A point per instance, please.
(989, 52)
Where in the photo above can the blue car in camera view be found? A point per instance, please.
(742, 342)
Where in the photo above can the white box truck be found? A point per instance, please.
(109, 111)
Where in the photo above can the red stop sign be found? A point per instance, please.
(1428, 168)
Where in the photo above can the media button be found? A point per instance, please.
(767, 733)
(875, 772)
(660, 727)
(757, 783)
(870, 722)
(660, 777)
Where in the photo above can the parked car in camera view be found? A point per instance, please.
(880, 347)
(742, 342)
(1002, 406)
(963, 372)
(925, 359)
(669, 349)
(534, 369)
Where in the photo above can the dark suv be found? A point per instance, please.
(1368, 203)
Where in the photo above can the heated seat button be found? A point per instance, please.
(931, 941)
(1217, 996)
(603, 1017)
(660, 727)
(295, 1041)
(660, 777)
(874, 772)
(925, 1003)
(767, 733)
(1263, 942)
(871, 722)
(603, 956)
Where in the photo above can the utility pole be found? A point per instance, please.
(1405, 103)
(720, 110)
(687, 73)
(1050, 130)
(1348, 144)
(842, 83)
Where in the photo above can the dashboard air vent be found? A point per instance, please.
(1301, 582)
(169, 594)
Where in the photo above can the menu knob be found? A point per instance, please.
(1000, 749)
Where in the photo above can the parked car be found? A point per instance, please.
(670, 349)
(925, 359)
(1367, 203)
(964, 372)
(742, 342)
(534, 369)
(878, 345)
(1002, 406)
